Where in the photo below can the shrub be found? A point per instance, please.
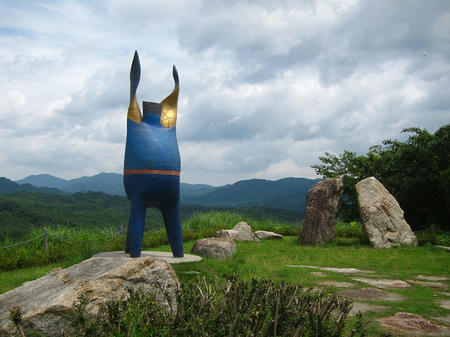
(424, 238)
(443, 240)
(224, 307)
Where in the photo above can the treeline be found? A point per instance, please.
(416, 171)
(22, 212)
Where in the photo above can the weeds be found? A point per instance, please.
(225, 307)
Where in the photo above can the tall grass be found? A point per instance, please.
(77, 244)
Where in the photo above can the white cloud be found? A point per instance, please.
(266, 87)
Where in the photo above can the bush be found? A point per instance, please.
(443, 240)
(349, 230)
(225, 307)
(424, 238)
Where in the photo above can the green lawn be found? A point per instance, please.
(268, 259)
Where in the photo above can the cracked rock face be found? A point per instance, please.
(322, 206)
(46, 303)
(382, 217)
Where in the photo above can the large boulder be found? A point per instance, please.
(46, 303)
(240, 232)
(215, 248)
(382, 217)
(322, 205)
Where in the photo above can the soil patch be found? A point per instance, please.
(371, 294)
(383, 283)
(414, 325)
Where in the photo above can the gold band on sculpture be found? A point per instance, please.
(167, 172)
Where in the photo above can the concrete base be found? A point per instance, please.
(166, 256)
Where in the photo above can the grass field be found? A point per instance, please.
(268, 259)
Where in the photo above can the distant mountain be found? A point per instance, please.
(190, 190)
(287, 193)
(43, 180)
(110, 183)
(8, 186)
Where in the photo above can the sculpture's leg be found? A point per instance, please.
(171, 213)
(135, 232)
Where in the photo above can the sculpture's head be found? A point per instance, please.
(151, 137)
(167, 109)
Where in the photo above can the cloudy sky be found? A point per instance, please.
(266, 86)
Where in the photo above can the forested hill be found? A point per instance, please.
(8, 186)
(287, 193)
(23, 211)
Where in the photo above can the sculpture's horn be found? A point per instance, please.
(169, 104)
(134, 112)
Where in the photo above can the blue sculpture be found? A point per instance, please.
(152, 165)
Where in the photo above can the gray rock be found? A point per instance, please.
(240, 232)
(216, 248)
(267, 235)
(46, 303)
(365, 307)
(445, 304)
(322, 205)
(337, 284)
(335, 270)
(371, 294)
(431, 284)
(383, 283)
(432, 278)
(382, 217)
(319, 274)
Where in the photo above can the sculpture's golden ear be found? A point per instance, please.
(134, 112)
(169, 104)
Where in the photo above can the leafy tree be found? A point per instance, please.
(415, 171)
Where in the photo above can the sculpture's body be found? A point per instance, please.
(152, 165)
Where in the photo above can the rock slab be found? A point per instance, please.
(322, 205)
(333, 269)
(240, 232)
(215, 248)
(383, 283)
(267, 235)
(365, 307)
(414, 325)
(371, 294)
(46, 303)
(436, 285)
(382, 216)
(337, 284)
